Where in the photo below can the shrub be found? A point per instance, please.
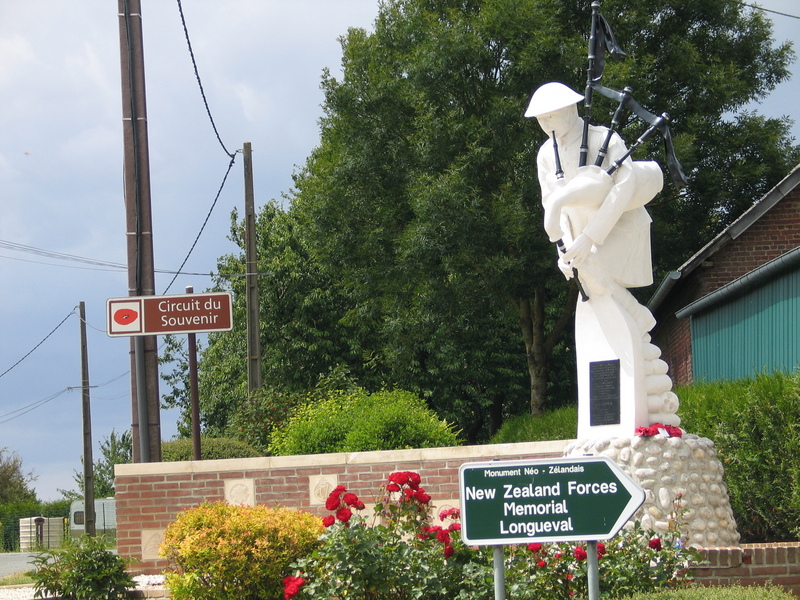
(264, 411)
(210, 449)
(358, 422)
(753, 423)
(224, 552)
(399, 554)
(558, 424)
(734, 592)
(83, 570)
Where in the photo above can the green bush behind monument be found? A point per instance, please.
(755, 426)
(357, 421)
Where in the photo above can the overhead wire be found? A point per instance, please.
(767, 10)
(32, 350)
(5, 418)
(110, 266)
(231, 155)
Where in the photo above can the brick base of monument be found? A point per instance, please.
(682, 479)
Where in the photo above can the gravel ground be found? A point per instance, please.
(25, 592)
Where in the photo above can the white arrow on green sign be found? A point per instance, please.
(549, 500)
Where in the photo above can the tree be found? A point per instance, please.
(413, 252)
(422, 194)
(116, 449)
(14, 482)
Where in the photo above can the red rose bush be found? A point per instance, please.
(400, 553)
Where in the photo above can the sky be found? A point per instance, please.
(260, 62)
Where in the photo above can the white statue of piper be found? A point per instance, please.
(596, 215)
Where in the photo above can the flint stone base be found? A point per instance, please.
(682, 480)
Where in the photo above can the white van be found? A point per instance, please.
(105, 517)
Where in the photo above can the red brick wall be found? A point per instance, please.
(774, 234)
(150, 495)
(777, 232)
(753, 564)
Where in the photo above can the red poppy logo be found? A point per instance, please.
(125, 316)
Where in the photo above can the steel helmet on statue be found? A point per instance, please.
(551, 96)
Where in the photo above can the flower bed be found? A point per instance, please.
(399, 553)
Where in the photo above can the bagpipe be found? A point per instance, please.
(602, 40)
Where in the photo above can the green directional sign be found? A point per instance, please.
(519, 501)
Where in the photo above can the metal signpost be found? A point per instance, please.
(161, 315)
(551, 500)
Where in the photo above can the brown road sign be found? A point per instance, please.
(161, 315)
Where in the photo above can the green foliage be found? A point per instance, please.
(116, 449)
(754, 425)
(84, 570)
(14, 482)
(733, 592)
(359, 422)
(224, 552)
(263, 412)
(398, 554)
(10, 514)
(210, 449)
(558, 424)
(413, 253)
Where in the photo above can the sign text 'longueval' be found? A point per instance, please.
(513, 502)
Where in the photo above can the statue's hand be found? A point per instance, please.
(564, 266)
(578, 252)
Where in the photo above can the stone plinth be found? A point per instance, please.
(682, 479)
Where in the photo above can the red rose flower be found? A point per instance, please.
(421, 496)
(392, 487)
(535, 547)
(443, 536)
(450, 512)
(332, 503)
(454, 527)
(601, 549)
(579, 553)
(344, 514)
(400, 477)
(350, 499)
(655, 544)
(291, 586)
(329, 520)
(414, 479)
(337, 490)
(541, 564)
(448, 551)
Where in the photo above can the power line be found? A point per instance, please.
(203, 226)
(14, 414)
(199, 82)
(232, 155)
(64, 320)
(767, 10)
(110, 266)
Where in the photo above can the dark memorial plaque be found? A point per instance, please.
(604, 393)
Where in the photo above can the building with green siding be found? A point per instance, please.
(733, 309)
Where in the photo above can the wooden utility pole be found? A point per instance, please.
(146, 419)
(194, 390)
(88, 461)
(251, 261)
